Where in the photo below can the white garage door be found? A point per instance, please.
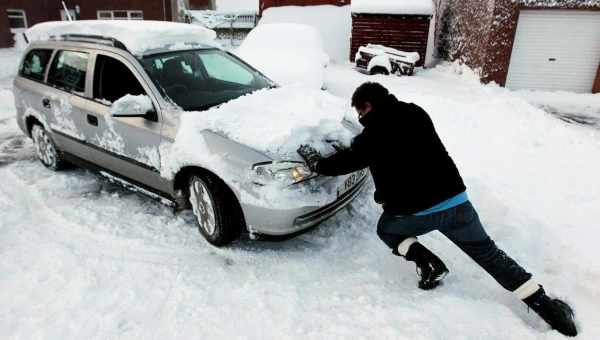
(555, 50)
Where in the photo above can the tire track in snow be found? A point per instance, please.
(64, 231)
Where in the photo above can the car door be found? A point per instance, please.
(124, 145)
(30, 87)
(64, 101)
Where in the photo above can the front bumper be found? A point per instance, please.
(279, 222)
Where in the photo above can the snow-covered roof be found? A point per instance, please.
(137, 36)
(237, 5)
(411, 7)
(216, 19)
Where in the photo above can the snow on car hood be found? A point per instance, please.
(276, 121)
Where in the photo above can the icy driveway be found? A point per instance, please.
(83, 259)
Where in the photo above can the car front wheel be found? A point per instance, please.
(45, 148)
(215, 210)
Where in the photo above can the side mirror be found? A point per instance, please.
(134, 106)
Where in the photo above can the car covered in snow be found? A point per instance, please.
(379, 59)
(287, 53)
(160, 108)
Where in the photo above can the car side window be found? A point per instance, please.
(68, 71)
(113, 80)
(34, 64)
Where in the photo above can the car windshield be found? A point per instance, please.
(199, 79)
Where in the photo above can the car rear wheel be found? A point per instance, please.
(45, 149)
(216, 212)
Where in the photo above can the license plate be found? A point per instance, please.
(351, 181)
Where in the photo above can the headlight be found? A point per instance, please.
(285, 172)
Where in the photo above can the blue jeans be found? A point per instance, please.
(462, 226)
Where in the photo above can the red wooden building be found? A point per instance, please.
(264, 4)
(408, 30)
(18, 15)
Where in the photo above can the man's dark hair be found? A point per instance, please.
(371, 92)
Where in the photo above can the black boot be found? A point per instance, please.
(554, 311)
(429, 267)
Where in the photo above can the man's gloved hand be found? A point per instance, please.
(310, 156)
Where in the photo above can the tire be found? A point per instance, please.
(46, 149)
(379, 70)
(216, 210)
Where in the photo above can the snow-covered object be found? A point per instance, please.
(392, 60)
(380, 61)
(407, 57)
(334, 23)
(132, 105)
(393, 6)
(216, 19)
(287, 53)
(137, 36)
(237, 5)
(274, 121)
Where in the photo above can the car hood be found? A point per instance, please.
(277, 121)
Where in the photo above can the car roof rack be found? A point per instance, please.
(94, 39)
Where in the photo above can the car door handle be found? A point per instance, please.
(92, 120)
(46, 103)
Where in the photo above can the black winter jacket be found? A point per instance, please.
(410, 166)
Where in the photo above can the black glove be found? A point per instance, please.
(310, 156)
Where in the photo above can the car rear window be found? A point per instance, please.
(34, 64)
(68, 70)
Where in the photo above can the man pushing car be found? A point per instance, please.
(421, 190)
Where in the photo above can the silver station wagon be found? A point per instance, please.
(69, 84)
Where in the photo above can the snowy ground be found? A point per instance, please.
(81, 258)
(571, 107)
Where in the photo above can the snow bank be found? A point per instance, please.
(274, 121)
(393, 6)
(138, 36)
(334, 23)
(563, 102)
(300, 60)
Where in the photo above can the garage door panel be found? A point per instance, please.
(555, 50)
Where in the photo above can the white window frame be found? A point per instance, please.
(112, 14)
(22, 16)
